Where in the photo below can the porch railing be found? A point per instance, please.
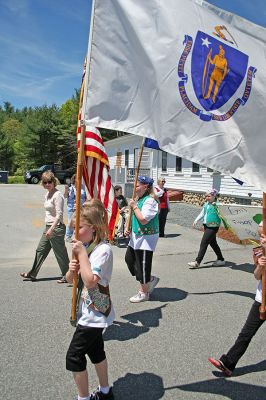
(131, 173)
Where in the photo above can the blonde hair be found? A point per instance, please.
(93, 213)
(49, 176)
(150, 192)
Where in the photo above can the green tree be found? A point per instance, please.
(42, 128)
(69, 112)
(10, 131)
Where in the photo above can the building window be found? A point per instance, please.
(136, 157)
(195, 167)
(164, 161)
(209, 170)
(178, 164)
(126, 158)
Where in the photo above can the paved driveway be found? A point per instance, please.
(156, 350)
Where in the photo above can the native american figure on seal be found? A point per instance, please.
(218, 74)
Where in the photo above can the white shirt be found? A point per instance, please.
(54, 208)
(146, 242)
(258, 296)
(101, 260)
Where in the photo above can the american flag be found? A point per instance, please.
(96, 174)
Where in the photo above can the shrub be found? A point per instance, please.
(16, 179)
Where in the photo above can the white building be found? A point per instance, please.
(179, 173)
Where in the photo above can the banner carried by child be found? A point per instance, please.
(243, 220)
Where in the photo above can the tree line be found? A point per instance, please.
(33, 136)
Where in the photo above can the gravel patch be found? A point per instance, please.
(183, 214)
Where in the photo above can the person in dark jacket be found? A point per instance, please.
(121, 200)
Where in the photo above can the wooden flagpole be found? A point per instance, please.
(128, 227)
(263, 277)
(80, 160)
(77, 220)
(81, 154)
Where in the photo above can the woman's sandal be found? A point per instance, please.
(62, 280)
(27, 276)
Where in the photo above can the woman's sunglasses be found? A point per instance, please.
(45, 182)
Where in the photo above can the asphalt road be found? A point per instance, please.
(156, 350)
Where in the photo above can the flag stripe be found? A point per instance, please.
(96, 174)
(100, 179)
(96, 150)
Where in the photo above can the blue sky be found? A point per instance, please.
(43, 44)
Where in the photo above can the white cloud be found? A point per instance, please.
(19, 7)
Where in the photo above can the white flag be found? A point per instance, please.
(185, 73)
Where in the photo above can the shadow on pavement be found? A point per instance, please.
(172, 235)
(224, 387)
(233, 292)
(259, 367)
(247, 267)
(54, 278)
(145, 386)
(168, 294)
(137, 323)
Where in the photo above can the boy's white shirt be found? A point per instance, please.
(101, 260)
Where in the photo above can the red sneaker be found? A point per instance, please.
(220, 365)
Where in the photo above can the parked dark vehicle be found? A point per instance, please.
(34, 175)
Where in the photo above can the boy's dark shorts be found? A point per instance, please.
(88, 341)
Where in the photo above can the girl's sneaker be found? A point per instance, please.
(138, 298)
(193, 264)
(220, 365)
(98, 395)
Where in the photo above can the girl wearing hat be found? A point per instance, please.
(143, 238)
(211, 223)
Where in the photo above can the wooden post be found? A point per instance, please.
(263, 277)
(77, 221)
(128, 227)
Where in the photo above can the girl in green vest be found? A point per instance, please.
(211, 223)
(143, 238)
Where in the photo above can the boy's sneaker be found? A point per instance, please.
(138, 298)
(193, 264)
(220, 365)
(153, 282)
(218, 263)
(98, 395)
